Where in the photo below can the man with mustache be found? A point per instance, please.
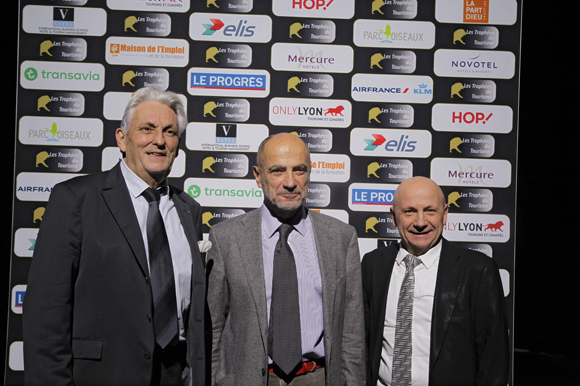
(285, 290)
(434, 312)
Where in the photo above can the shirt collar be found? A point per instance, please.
(135, 184)
(271, 224)
(427, 259)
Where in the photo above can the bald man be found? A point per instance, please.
(285, 291)
(434, 312)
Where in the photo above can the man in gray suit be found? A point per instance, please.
(285, 292)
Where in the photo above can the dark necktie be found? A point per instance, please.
(402, 352)
(285, 344)
(161, 272)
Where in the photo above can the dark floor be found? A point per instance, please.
(534, 368)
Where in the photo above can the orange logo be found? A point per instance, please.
(476, 11)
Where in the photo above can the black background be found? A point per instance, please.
(545, 333)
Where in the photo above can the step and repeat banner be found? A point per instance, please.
(380, 90)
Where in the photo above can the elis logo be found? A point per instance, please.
(242, 29)
(403, 144)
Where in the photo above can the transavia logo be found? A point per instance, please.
(30, 73)
(63, 17)
(194, 191)
(229, 192)
(62, 76)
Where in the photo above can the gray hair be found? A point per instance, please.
(168, 98)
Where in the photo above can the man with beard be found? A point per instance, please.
(285, 291)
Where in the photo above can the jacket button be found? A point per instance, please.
(149, 318)
(147, 356)
(263, 371)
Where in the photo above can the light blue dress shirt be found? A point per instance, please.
(303, 245)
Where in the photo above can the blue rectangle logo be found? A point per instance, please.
(372, 197)
(216, 81)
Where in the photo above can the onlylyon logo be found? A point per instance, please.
(310, 112)
(469, 227)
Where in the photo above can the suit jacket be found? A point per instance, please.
(469, 331)
(88, 309)
(237, 301)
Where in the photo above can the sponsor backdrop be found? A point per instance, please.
(379, 90)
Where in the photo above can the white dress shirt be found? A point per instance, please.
(178, 244)
(425, 280)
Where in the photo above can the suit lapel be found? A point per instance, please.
(116, 196)
(326, 239)
(186, 218)
(249, 241)
(449, 281)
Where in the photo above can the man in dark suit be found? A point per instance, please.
(310, 310)
(116, 287)
(456, 333)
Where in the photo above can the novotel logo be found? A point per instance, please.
(473, 63)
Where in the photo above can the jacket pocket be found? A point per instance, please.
(87, 348)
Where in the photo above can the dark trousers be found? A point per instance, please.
(168, 365)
